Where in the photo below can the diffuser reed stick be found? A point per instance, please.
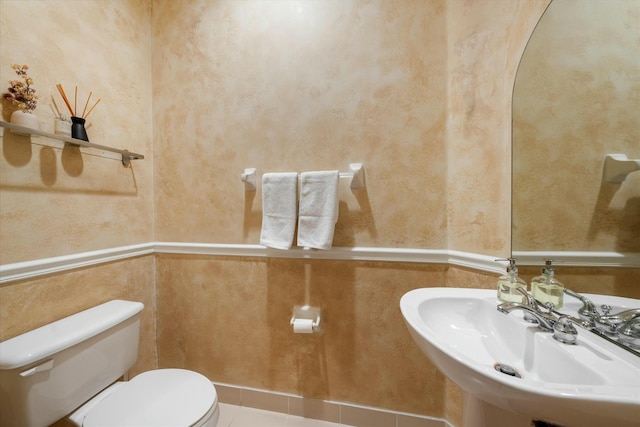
(56, 107)
(85, 104)
(64, 98)
(91, 109)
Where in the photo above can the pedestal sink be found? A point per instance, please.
(512, 372)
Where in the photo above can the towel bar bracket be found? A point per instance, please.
(250, 179)
(356, 175)
(618, 166)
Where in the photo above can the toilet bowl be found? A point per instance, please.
(163, 397)
(69, 369)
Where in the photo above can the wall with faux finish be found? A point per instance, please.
(241, 332)
(298, 86)
(57, 200)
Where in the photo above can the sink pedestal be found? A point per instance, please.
(478, 413)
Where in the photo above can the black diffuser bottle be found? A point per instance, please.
(77, 128)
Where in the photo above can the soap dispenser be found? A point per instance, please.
(509, 283)
(546, 288)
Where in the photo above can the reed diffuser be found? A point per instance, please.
(78, 130)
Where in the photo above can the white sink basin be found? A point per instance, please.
(593, 383)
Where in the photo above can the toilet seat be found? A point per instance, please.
(163, 397)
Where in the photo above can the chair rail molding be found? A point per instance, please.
(40, 267)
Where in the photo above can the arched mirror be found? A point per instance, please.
(576, 99)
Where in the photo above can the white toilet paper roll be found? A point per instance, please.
(302, 326)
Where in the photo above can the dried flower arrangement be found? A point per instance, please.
(21, 93)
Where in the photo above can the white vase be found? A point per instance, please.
(26, 119)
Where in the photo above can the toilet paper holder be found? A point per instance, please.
(307, 312)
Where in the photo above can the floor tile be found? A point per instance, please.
(295, 421)
(242, 416)
(228, 414)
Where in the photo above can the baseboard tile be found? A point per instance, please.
(335, 412)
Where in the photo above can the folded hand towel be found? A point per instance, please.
(318, 211)
(279, 197)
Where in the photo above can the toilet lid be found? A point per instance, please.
(163, 397)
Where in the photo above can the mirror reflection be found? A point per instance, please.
(577, 99)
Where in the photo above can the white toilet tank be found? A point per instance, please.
(47, 373)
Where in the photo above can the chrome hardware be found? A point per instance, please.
(629, 333)
(531, 302)
(564, 331)
(622, 329)
(545, 321)
(588, 310)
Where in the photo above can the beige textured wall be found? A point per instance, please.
(296, 86)
(577, 99)
(56, 201)
(241, 332)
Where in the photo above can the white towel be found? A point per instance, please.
(279, 208)
(318, 210)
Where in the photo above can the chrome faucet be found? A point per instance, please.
(530, 302)
(562, 327)
(629, 333)
(545, 320)
(588, 309)
(607, 323)
(621, 328)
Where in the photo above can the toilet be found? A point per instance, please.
(70, 369)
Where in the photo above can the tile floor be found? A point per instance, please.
(243, 416)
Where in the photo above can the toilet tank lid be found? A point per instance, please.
(50, 339)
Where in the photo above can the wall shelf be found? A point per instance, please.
(127, 156)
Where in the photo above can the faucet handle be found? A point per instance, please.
(530, 302)
(588, 311)
(606, 309)
(564, 331)
(629, 332)
(528, 298)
